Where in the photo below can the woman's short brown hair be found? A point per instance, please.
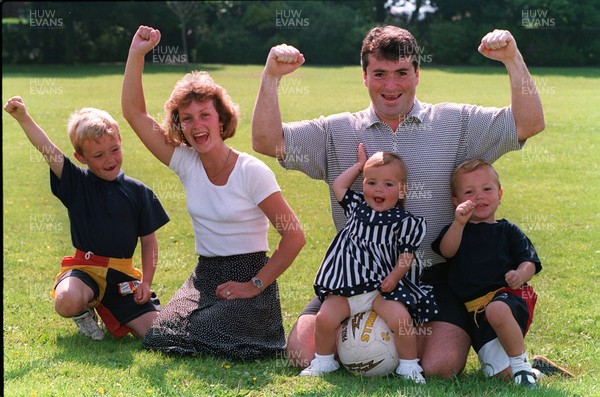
(198, 86)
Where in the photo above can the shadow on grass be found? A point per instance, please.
(180, 374)
(175, 375)
(226, 377)
(75, 348)
(468, 384)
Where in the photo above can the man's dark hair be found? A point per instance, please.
(390, 43)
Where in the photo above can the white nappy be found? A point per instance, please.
(362, 303)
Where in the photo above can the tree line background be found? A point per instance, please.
(548, 32)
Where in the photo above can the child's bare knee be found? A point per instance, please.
(66, 307)
(496, 313)
(69, 302)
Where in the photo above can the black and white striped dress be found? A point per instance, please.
(365, 251)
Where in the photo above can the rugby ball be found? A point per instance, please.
(366, 345)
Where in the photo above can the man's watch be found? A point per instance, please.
(257, 282)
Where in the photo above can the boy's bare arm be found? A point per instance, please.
(36, 135)
(516, 278)
(451, 240)
(149, 245)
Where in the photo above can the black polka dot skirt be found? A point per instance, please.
(196, 322)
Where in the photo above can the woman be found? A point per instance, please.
(229, 306)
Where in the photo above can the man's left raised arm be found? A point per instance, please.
(525, 101)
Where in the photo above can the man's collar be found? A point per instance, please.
(414, 116)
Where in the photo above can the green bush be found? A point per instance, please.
(327, 32)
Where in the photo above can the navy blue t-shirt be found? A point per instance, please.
(107, 218)
(487, 252)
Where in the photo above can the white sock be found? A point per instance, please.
(324, 357)
(406, 366)
(519, 363)
(410, 362)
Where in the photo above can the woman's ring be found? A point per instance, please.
(227, 293)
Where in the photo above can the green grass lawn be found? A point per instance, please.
(551, 190)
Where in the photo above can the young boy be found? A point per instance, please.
(107, 212)
(490, 262)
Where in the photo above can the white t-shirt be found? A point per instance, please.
(226, 219)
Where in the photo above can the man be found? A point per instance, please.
(431, 139)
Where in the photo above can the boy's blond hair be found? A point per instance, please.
(90, 124)
(469, 166)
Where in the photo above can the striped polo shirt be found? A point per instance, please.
(432, 140)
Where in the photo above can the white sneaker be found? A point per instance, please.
(87, 323)
(412, 372)
(319, 367)
(538, 374)
(525, 378)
